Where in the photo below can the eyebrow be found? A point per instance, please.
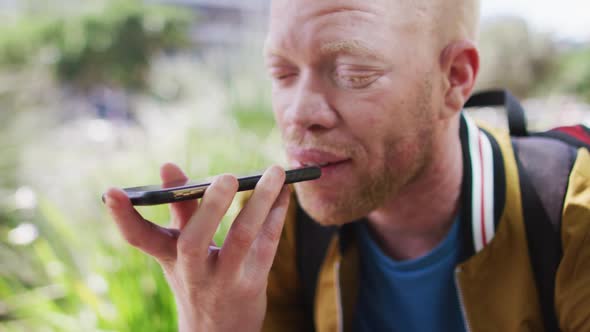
(333, 48)
(351, 47)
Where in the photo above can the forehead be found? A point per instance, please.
(330, 26)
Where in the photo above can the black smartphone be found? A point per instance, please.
(182, 191)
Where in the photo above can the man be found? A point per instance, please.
(372, 91)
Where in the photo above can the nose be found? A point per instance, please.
(310, 108)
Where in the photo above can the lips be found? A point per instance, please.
(315, 157)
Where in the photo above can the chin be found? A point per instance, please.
(334, 210)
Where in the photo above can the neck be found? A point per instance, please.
(415, 221)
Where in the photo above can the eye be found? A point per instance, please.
(285, 76)
(355, 79)
(282, 74)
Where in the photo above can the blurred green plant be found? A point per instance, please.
(63, 267)
(251, 107)
(573, 74)
(110, 47)
(66, 281)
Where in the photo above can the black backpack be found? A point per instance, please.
(541, 208)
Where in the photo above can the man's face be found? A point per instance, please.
(353, 92)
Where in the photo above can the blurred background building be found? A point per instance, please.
(97, 93)
(222, 27)
(228, 22)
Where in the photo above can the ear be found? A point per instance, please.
(459, 63)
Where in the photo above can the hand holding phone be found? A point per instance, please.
(211, 284)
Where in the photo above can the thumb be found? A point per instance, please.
(152, 239)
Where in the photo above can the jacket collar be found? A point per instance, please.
(484, 186)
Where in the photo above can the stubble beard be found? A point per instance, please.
(372, 190)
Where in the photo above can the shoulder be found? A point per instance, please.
(576, 212)
(573, 292)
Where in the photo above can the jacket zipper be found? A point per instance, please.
(461, 301)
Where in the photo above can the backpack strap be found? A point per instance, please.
(544, 166)
(578, 136)
(312, 241)
(496, 98)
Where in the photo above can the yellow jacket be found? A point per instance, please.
(496, 285)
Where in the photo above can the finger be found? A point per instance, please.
(152, 239)
(265, 246)
(249, 221)
(180, 212)
(198, 233)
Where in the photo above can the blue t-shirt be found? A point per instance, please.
(415, 295)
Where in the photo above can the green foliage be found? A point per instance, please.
(64, 292)
(254, 116)
(78, 274)
(111, 47)
(574, 73)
